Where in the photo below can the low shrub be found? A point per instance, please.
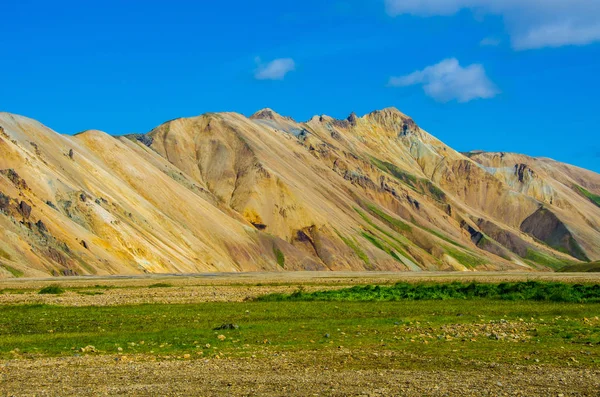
(160, 285)
(512, 291)
(51, 290)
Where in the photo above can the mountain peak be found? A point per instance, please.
(90, 133)
(352, 118)
(389, 111)
(394, 119)
(268, 114)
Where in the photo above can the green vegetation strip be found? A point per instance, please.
(592, 267)
(517, 291)
(12, 270)
(544, 259)
(444, 237)
(396, 172)
(160, 285)
(395, 223)
(357, 250)
(421, 334)
(421, 185)
(396, 244)
(594, 198)
(279, 256)
(464, 258)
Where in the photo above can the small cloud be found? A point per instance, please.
(557, 35)
(531, 24)
(490, 42)
(423, 8)
(274, 70)
(447, 81)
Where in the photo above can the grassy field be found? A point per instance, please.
(449, 329)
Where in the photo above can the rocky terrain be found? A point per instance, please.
(225, 193)
(316, 374)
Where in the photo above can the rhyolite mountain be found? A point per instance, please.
(225, 193)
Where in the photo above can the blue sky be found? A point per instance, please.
(498, 75)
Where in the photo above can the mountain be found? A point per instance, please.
(225, 193)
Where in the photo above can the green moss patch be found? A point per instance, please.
(592, 267)
(279, 256)
(465, 259)
(394, 223)
(594, 198)
(357, 250)
(12, 270)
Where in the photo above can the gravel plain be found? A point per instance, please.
(282, 376)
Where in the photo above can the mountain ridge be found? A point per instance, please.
(226, 192)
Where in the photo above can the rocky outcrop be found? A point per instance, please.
(41, 226)
(505, 237)
(4, 202)
(353, 119)
(545, 226)
(145, 139)
(476, 235)
(524, 173)
(269, 114)
(14, 177)
(392, 119)
(24, 209)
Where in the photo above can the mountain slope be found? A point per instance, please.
(222, 192)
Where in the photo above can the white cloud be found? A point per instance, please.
(274, 70)
(447, 81)
(558, 35)
(424, 7)
(489, 42)
(530, 23)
